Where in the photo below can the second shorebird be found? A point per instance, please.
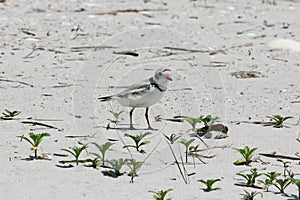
(143, 94)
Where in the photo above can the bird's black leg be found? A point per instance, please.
(148, 122)
(130, 115)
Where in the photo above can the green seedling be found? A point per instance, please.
(250, 195)
(208, 122)
(279, 120)
(209, 184)
(286, 165)
(35, 140)
(138, 141)
(76, 151)
(10, 114)
(297, 183)
(103, 149)
(134, 166)
(186, 143)
(193, 121)
(250, 178)
(116, 166)
(161, 194)
(172, 138)
(116, 116)
(94, 162)
(281, 184)
(271, 177)
(247, 154)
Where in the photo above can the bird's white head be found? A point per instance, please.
(162, 77)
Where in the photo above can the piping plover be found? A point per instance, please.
(143, 94)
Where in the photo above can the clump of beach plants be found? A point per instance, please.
(76, 152)
(282, 184)
(279, 120)
(250, 195)
(271, 177)
(161, 194)
(35, 140)
(134, 167)
(251, 177)
(7, 114)
(209, 184)
(137, 141)
(115, 166)
(102, 149)
(247, 154)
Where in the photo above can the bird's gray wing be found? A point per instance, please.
(136, 89)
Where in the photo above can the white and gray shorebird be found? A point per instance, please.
(143, 94)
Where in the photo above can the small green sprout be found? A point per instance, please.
(10, 114)
(247, 154)
(271, 177)
(208, 122)
(297, 183)
(279, 120)
(281, 184)
(286, 165)
(209, 184)
(35, 140)
(193, 121)
(172, 138)
(116, 166)
(161, 194)
(94, 162)
(134, 166)
(250, 195)
(250, 178)
(138, 141)
(102, 148)
(76, 151)
(186, 143)
(116, 116)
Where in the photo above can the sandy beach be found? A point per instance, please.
(238, 60)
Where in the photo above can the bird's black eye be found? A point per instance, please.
(160, 73)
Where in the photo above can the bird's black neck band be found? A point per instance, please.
(157, 86)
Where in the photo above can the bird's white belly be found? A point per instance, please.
(142, 100)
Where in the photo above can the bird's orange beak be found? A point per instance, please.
(168, 77)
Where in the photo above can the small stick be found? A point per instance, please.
(129, 10)
(39, 124)
(12, 81)
(78, 136)
(184, 49)
(129, 53)
(279, 156)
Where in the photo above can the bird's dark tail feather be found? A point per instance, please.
(107, 98)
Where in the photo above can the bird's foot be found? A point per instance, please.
(153, 129)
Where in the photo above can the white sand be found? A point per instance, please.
(66, 84)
